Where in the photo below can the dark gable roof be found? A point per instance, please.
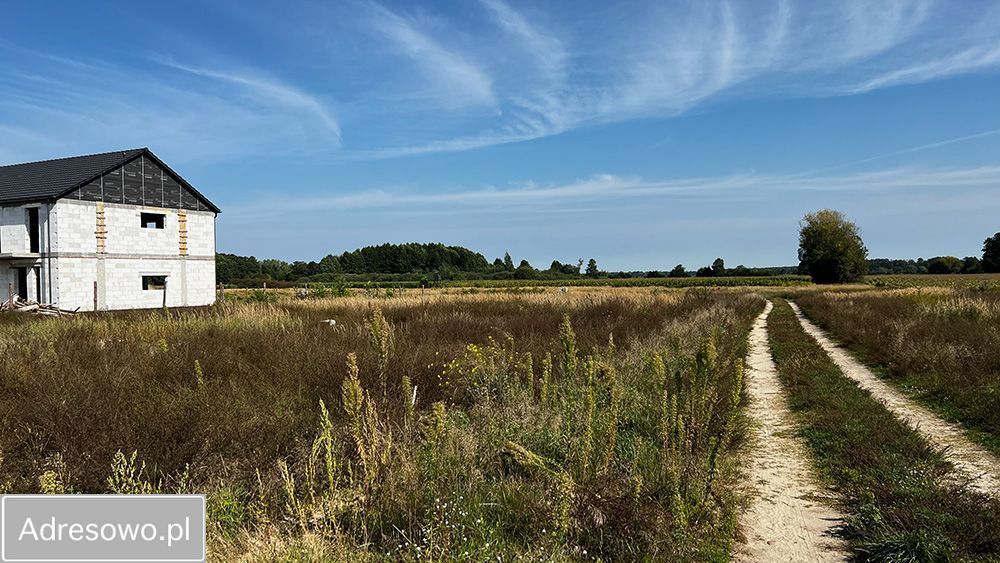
(51, 179)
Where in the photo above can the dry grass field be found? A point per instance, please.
(500, 423)
(555, 426)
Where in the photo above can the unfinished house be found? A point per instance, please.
(117, 230)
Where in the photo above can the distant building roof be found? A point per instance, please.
(46, 180)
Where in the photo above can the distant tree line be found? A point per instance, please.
(426, 262)
(989, 263)
(433, 262)
(936, 265)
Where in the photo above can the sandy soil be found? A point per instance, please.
(971, 460)
(786, 521)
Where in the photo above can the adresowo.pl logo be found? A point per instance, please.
(76, 528)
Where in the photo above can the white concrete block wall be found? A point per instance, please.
(127, 236)
(189, 283)
(75, 225)
(14, 228)
(7, 277)
(201, 233)
(13, 233)
(131, 252)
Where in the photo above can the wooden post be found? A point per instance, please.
(10, 294)
(95, 295)
(164, 293)
(222, 292)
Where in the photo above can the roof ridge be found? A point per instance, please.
(123, 153)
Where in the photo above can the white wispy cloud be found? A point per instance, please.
(909, 150)
(664, 60)
(613, 190)
(464, 82)
(548, 51)
(978, 58)
(68, 107)
(417, 80)
(269, 91)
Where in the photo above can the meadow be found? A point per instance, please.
(941, 344)
(556, 426)
(977, 282)
(665, 282)
(502, 423)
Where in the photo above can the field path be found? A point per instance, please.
(786, 522)
(977, 464)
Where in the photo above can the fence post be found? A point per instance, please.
(165, 293)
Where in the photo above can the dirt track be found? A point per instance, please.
(786, 522)
(974, 462)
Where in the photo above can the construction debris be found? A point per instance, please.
(18, 306)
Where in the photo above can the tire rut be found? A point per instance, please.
(979, 466)
(786, 521)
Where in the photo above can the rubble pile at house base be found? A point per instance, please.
(19, 306)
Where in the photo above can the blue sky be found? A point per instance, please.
(642, 134)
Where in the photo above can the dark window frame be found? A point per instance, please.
(154, 283)
(34, 230)
(152, 220)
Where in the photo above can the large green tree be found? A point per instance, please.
(831, 249)
(991, 254)
(719, 267)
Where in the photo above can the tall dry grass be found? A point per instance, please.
(555, 426)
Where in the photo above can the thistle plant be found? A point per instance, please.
(705, 362)
(668, 404)
(380, 343)
(372, 440)
(439, 418)
(324, 442)
(656, 371)
(610, 377)
(564, 503)
(677, 504)
(528, 365)
(352, 395)
(568, 340)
